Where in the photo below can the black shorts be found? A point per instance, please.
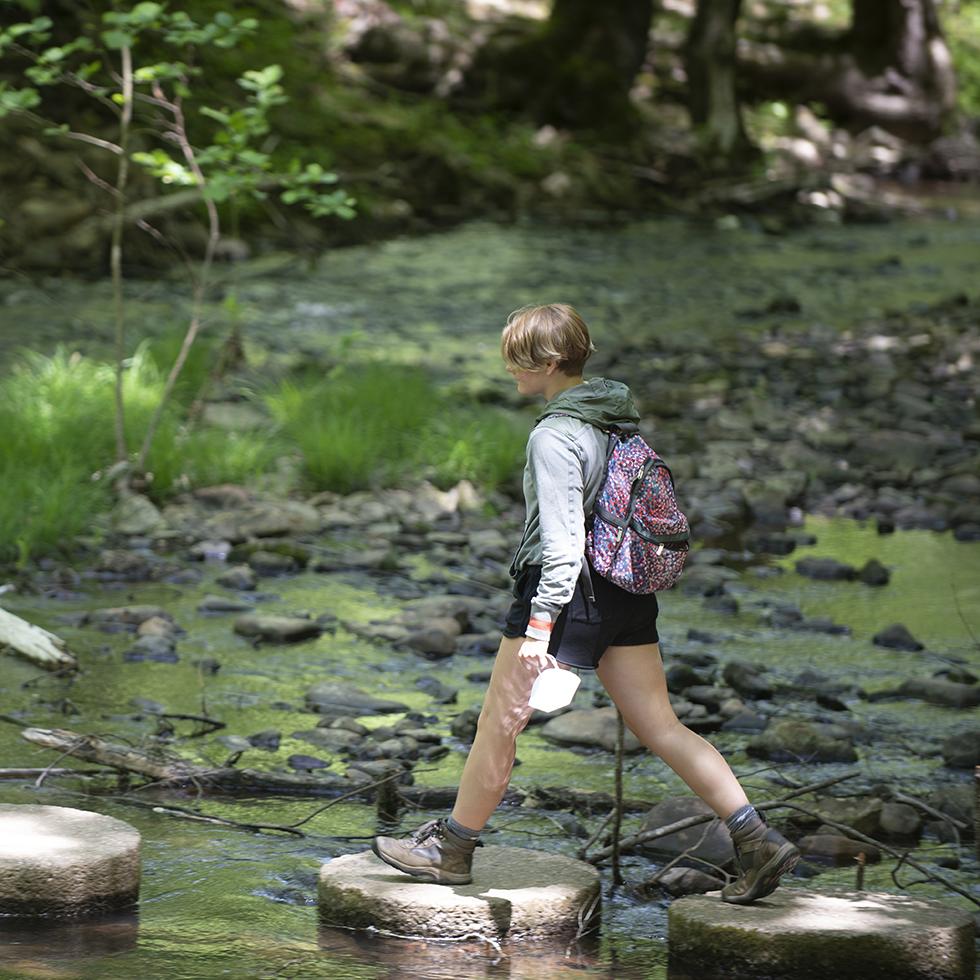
(583, 630)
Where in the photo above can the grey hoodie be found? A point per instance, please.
(566, 456)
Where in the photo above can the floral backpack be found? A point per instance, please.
(638, 538)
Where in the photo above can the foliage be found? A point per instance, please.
(381, 425)
(233, 160)
(962, 26)
(56, 414)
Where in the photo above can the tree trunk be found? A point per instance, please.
(576, 70)
(891, 68)
(712, 99)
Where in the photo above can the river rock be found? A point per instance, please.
(160, 649)
(517, 895)
(371, 770)
(811, 935)
(334, 739)
(874, 573)
(463, 726)
(61, 861)
(878, 449)
(591, 726)
(436, 690)
(272, 563)
(897, 637)
(276, 518)
(125, 615)
(900, 822)
(800, 741)
(435, 641)
(277, 629)
(336, 697)
(306, 763)
(937, 691)
(125, 565)
(747, 679)
(688, 881)
(709, 841)
(268, 740)
(238, 577)
(135, 514)
(962, 750)
(836, 849)
(462, 608)
(861, 813)
(222, 604)
(826, 569)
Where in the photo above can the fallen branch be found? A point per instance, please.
(903, 857)
(34, 773)
(165, 769)
(630, 843)
(33, 643)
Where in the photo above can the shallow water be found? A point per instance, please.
(224, 902)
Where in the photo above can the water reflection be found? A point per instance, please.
(35, 941)
(468, 960)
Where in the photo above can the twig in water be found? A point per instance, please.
(904, 857)
(617, 874)
(584, 849)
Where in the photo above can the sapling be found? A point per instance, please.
(156, 100)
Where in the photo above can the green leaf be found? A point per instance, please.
(17, 100)
(116, 40)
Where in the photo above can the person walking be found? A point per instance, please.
(545, 349)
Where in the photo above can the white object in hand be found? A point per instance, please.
(553, 688)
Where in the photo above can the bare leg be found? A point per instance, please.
(504, 716)
(634, 678)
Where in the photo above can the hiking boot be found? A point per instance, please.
(763, 855)
(433, 852)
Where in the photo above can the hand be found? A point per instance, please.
(534, 655)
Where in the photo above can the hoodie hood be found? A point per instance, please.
(597, 401)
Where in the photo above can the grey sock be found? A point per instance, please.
(735, 821)
(460, 831)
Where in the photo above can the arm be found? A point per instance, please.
(557, 473)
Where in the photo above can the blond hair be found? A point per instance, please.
(535, 335)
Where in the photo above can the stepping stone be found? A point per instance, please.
(516, 895)
(60, 861)
(811, 935)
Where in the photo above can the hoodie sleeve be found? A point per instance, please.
(558, 475)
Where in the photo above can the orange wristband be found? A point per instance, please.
(540, 624)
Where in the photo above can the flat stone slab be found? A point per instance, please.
(809, 935)
(516, 894)
(56, 860)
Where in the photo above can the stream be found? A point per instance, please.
(221, 902)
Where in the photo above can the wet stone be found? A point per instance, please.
(962, 750)
(517, 895)
(344, 699)
(874, 573)
(799, 741)
(222, 604)
(936, 691)
(811, 935)
(239, 577)
(825, 569)
(709, 841)
(277, 629)
(897, 637)
(590, 727)
(64, 862)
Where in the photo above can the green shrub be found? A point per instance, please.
(57, 420)
(381, 425)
